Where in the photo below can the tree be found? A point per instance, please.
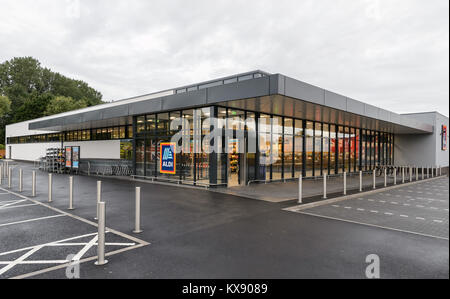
(5, 106)
(34, 107)
(31, 87)
(64, 104)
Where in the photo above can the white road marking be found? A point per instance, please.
(438, 221)
(373, 225)
(348, 208)
(404, 216)
(376, 212)
(21, 206)
(31, 220)
(420, 218)
(389, 214)
(361, 210)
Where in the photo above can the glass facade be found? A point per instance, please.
(252, 146)
(284, 147)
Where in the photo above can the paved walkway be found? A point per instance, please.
(280, 192)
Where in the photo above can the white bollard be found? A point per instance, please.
(324, 186)
(410, 174)
(50, 187)
(360, 181)
(374, 179)
(417, 173)
(20, 180)
(9, 177)
(33, 184)
(345, 183)
(385, 177)
(99, 196)
(403, 175)
(101, 235)
(137, 226)
(395, 175)
(423, 173)
(428, 172)
(300, 189)
(1, 174)
(71, 193)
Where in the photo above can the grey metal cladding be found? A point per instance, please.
(304, 91)
(112, 112)
(46, 123)
(91, 115)
(184, 100)
(276, 84)
(370, 111)
(73, 119)
(241, 90)
(395, 118)
(335, 100)
(384, 115)
(354, 106)
(145, 107)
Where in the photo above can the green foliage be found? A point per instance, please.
(5, 106)
(33, 107)
(64, 104)
(35, 91)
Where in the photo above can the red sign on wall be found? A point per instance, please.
(444, 138)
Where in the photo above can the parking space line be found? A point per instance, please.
(21, 206)
(372, 225)
(62, 264)
(31, 220)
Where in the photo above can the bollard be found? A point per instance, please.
(423, 173)
(345, 183)
(33, 184)
(395, 175)
(374, 179)
(428, 173)
(101, 235)
(417, 173)
(1, 174)
(300, 189)
(137, 226)
(71, 193)
(324, 186)
(99, 196)
(9, 177)
(360, 181)
(20, 180)
(385, 177)
(410, 174)
(403, 175)
(50, 187)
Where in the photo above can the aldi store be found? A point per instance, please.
(252, 127)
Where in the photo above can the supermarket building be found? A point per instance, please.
(274, 128)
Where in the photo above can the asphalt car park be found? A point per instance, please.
(197, 234)
(421, 208)
(36, 238)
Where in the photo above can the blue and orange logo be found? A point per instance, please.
(168, 160)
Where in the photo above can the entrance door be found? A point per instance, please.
(237, 163)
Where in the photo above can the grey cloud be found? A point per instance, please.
(392, 54)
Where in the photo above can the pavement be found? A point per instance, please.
(193, 233)
(312, 187)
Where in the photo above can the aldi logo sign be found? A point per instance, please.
(168, 160)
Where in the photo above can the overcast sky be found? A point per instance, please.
(392, 54)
